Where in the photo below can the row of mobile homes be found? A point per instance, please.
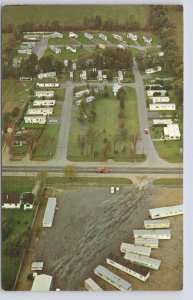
(100, 76)
(158, 106)
(35, 120)
(37, 266)
(153, 70)
(41, 102)
(83, 75)
(157, 224)
(82, 93)
(25, 51)
(73, 35)
(91, 285)
(25, 78)
(151, 93)
(116, 88)
(160, 99)
(163, 212)
(145, 261)
(49, 212)
(113, 279)
(47, 94)
(55, 49)
(44, 111)
(125, 247)
(101, 46)
(118, 37)
(120, 75)
(42, 283)
(147, 39)
(46, 75)
(88, 36)
(162, 122)
(70, 48)
(172, 132)
(11, 200)
(152, 243)
(161, 234)
(102, 36)
(48, 84)
(134, 270)
(132, 36)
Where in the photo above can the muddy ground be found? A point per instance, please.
(90, 224)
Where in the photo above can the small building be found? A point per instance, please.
(29, 44)
(31, 37)
(35, 120)
(56, 35)
(120, 75)
(90, 99)
(46, 75)
(73, 35)
(116, 88)
(169, 211)
(134, 270)
(46, 94)
(162, 122)
(25, 78)
(162, 99)
(147, 242)
(48, 84)
(113, 279)
(152, 93)
(157, 224)
(141, 250)
(153, 70)
(55, 49)
(27, 51)
(148, 262)
(88, 36)
(27, 200)
(82, 93)
(172, 132)
(71, 76)
(120, 46)
(161, 53)
(42, 283)
(74, 66)
(100, 75)
(83, 75)
(37, 266)
(118, 37)
(91, 285)
(102, 36)
(49, 212)
(161, 106)
(41, 102)
(66, 62)
(161, 234)
(101, 46)
(132, 36)
(11, 200)
(44, 111)
(147, 39)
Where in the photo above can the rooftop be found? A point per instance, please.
(10, 197)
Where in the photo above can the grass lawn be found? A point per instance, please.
(57, 111)
(59, 94)
(107, 122)
(17, 184)
(141, 41)
(65, 41)
(134, 51)
(82, 39)
(66, 54)
(169, 181)
(88, 180)
(169, 150)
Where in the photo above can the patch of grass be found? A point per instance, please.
(169, 181)
(57, 111)
(66, 54)
(64, 41)
(85, 180)
(134, 51)
(169, 150)
(60, 94)
(17, 184)
(82, 39)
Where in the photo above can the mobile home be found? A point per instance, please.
(116, 88)
(55, 49)
(83, 75)
(88, 36)
(41, 102)
(90, 99)
(162, 212)
(25, 78)
(125, 247)
(49, 212)
(102, 36)
(47, 94)
(120, 75)
(46, 75)
(48, 84)
(35, 120)
(144, 261)
(172, 132)
(161, 99)
(153, 70)
(37, 266)
(70, 48)
(72, 35)
(152, 243)
(91, 285)
(113, 279)
(162, 234)
(147, 39)
(25, 51)
(118, 37)
(40, 111)
(82, 93)
(132, 36)
(100, 75)
(162, 122)
(101, 46)
(157, 106)
(150, 93)
(156, 224)
(71, 77)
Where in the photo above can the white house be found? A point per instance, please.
(91, 285)
(88, 36)
(49, 212)
(147, 39)
(145, 261)
(73, 35)
(27, 200)
(116, 88)
(11, 200)
(157, 224)
(25, 78)
(169, 211)
(40, 111)
(74, 66)
(153, 70)
(158, 106)
(47, 94)
(41, 102)
(132, 36)
(35, 120)
(162, 122)
(118, 37)
(82, 93)
(31, 37)
(46, 75)
(126, 247)
(147, 242)
(42, 283)
(161, 53)
(55, 49)
(83, 75)
(25, 51)
(172, 132)
(160, 99)
(120, 75)
(161, 234)
(102, 36)
(100, 75)
(151, 93)
(70, 48)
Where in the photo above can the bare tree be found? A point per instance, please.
(81, 142)
(92, 136)
(70, 172)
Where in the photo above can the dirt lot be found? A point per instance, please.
(90, 224)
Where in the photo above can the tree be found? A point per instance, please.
(106, 149)
(70, 173)
(7, 227)
(134, 138)
(81, 142)
(92, 136)
(32, 137)
(42, 176)
(8, 138)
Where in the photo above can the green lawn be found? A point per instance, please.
(169, 150)
(141, 41)
(134, 51)
(169, 181)
(82, 39)
(65, 41)
(89, 180)
(66, 54)
(107, 122)
(17, 184)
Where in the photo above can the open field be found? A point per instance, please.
(66, 54)
(92, 223)
(169, 182)
(169, 150)
(17, 184)
(64, 41)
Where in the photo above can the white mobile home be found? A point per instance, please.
(41, 102)
(152, 243)
(116, 88)
(120, 46)
(118, 37)
(47, 94)
(101, 46)
(35, 120)
(48, 84)
(66, 62)
(82, 93)
(161, 234)
(71, 76)
(42, 283)
(83, 75)
(24, 78)
(88, 36)
(150, 93)
(46, 75)
(56, 35)
(161, 99)
(147, 39)
(162, 122)
(70, 48)
(125, 247)
(152, 86)
(44, 111)
(132, 36)
(90, 99)
(113, 279)
(161, 53)
(172, 132)
(55, 49)
(91, 285)
(134, 270)
(157, 106)
(37, 266)
(120, 75)
(72, 35)
(25, 51)
(102, 36)
(153, 70)
(49, 212)
(100, 75)
(145, 261)
(162, 212)
(156, 224)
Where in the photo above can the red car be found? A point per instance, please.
(102, 170)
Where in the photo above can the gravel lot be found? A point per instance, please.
(90, 224)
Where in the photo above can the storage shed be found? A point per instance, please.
(145, 261)
(162, 212)
(91, 285)
(156, 224)
(49, 212)
(162, 234)
(37, 266)
(125, 247)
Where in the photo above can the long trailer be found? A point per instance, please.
(49, 212)
(113, 279)
(134, 270)
(152, 243)
(91, 285)
(162, 212)
(125, 247)
(148, 262)
(48, 84)
(162, 234)
(156, 224)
